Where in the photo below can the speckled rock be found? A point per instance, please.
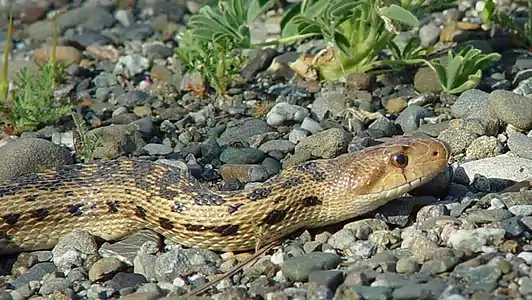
(512, 108)
(27, 155)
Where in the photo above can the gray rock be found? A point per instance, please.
(429, 34)
(131, 65)
(474, 239)
(299, 268)
(329, 278)
(331, 101)
(309, 125)
(482, 147)
(488, 216)
(361, 249)
(157, 149)
(521, 210)
(117, 140)
(284, 112)
(178, 261)
(520, 144)
(527, 256)
(245, 155)
(74, 249)
(347, 292)
(483, 278)
(525, 286)
(515, 168)
(458, 139)
(29, 155)
(104, 267)
(243, 131)
(37, 272)
(471, 104)
(342, 239)
(55, 284)
(325, 144)
(409, 119)
(512, 108)
(283, 146)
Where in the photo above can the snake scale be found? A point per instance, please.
(113, 199)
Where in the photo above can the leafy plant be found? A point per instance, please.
(32, 100)
(357, 30)
(217, 61)
(520, 32)
(463, 70)
(228, 21)
(412, 50)
(84, 142)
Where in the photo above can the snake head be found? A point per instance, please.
(388, 170)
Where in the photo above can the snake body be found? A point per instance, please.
(113, 199)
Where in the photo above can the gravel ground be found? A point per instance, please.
(457, 238)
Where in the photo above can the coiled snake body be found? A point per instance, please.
(116, 198)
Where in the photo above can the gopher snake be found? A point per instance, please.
(113, 199)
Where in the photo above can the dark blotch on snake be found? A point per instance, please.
(112, 206)
(52, 185)
(40, 213)
(279, 199)
(225, 230)
(275, 216)
(140, 212)
(208, 199)
(128, 191)
(75, 209)
(68, 193)
(178, 207)
(106, 169)
(11, 219)
(170, 178)
(31, 198)
(166, 223)
(9, 190)
(311, 201)
(233, 208)
(195, 227)
(259, 193)
(307, 167)
(319, 176)
(312, 169)
(291, 182)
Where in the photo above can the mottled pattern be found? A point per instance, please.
(113, 199)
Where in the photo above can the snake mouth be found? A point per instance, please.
(405, 188)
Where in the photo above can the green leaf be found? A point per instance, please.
(397, 13)
(257, 8)
(453, 70)
(471, 83)
(487, 12)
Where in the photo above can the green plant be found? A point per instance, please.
(520, 32)
(357, 30)
(412, 50)
(4, 83)
(463, 70)
(32, 101)
(217, 61)
(84, 143)
(228, 21)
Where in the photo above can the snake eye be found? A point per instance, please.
(399, 160)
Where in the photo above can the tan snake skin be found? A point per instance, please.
(116, 198)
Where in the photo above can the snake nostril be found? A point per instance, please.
(435, 153)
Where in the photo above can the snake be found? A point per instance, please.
(112, 199)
